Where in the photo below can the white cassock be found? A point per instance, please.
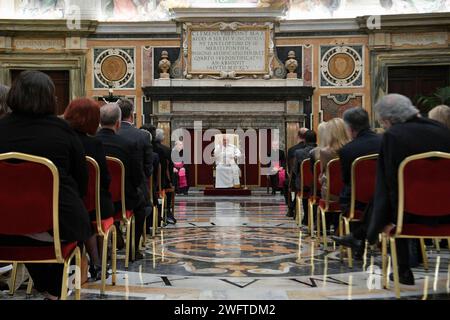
(227, 171)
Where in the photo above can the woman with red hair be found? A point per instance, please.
(83, 115)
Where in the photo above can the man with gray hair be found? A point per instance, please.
(165, 158)
(407, 133)
(127, 151)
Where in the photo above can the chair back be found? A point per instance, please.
(334, 178)
(29, 196)
(423, 186)
(306, 177)
(117, 185)
(363, 179)
(316, 181)
(92, 198)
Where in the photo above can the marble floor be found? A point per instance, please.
(245, 248)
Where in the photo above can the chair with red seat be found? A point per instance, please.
(104, 228)
(35, 181)
(306, 181)
(314, 198)
(117, 189)
(334, 187)
(363, 179)
(423, 191)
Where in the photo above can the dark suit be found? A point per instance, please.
(127, 151)
(282, 162)
(415, 136)
(165, 159)
(290, 183)
(366, 142)
(52, 138)
(94, 149)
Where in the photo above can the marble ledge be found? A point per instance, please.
(228, 83)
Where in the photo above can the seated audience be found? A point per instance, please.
(165, 158)
(300, 156)
(83, 115)
(407, 133)
(289, 185)
(127, 151)
(4, 110)
(441, 114)
(364, 142)
(334, 138)
(33, 128)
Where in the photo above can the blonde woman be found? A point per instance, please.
(441, 114)
(333, 138)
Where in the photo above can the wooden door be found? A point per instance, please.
(61, 79)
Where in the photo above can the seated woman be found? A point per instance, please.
(33, 128)
(83, 115)
(334, 137)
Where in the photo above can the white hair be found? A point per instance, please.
(159, 135)
(396, 108)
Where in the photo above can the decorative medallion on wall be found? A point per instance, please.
(334, 105)
(341, 66)
(114, 66)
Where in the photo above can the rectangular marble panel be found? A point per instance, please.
(420, 39)
(214, 107)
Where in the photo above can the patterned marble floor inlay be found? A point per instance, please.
(245, 248)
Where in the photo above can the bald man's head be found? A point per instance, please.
(302, 134)
(110, 115)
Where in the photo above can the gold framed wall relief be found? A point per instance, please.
(224, 50)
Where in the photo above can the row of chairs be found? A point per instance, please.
(423, 190)
(40, 195)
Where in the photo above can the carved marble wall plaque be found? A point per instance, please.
(232, 49)
(420, 39)
(39, 44)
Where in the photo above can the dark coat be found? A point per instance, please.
(415, 136)
(367, 142)
(291, 155)
(52, 138)
(165, 159)
(144, 146)
(127, 151)
(301, 155)
(94, 149)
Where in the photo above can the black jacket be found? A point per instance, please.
(415, 136)
(127, 151)
(144, 146)
(52, 138)
(291, 155)
(165, 159)
(94, 149)
(367, 142)
(301, 155)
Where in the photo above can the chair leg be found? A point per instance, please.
(437, 244)
(127, 245)
(155, 221)
(173, 203)
(29, 286)
(395, 268)
(144, 235)
(78, 274)
(423, 249)
(114, 255)
(349, 250)
(104, 261)
(133, 239)
(341, 233)
(297, 210)
(324, 229)
(12, 281)
(163, 219)
(310, 220)
(384, 260)
(318, 226)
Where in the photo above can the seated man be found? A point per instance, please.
(127, 151)
(227, 171)
(364, 142)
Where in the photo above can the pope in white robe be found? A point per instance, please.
(227, 171)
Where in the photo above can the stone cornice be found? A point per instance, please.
(52, 28)
(226, 14)
(408, 23)
(321, 25)
(136, 28)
